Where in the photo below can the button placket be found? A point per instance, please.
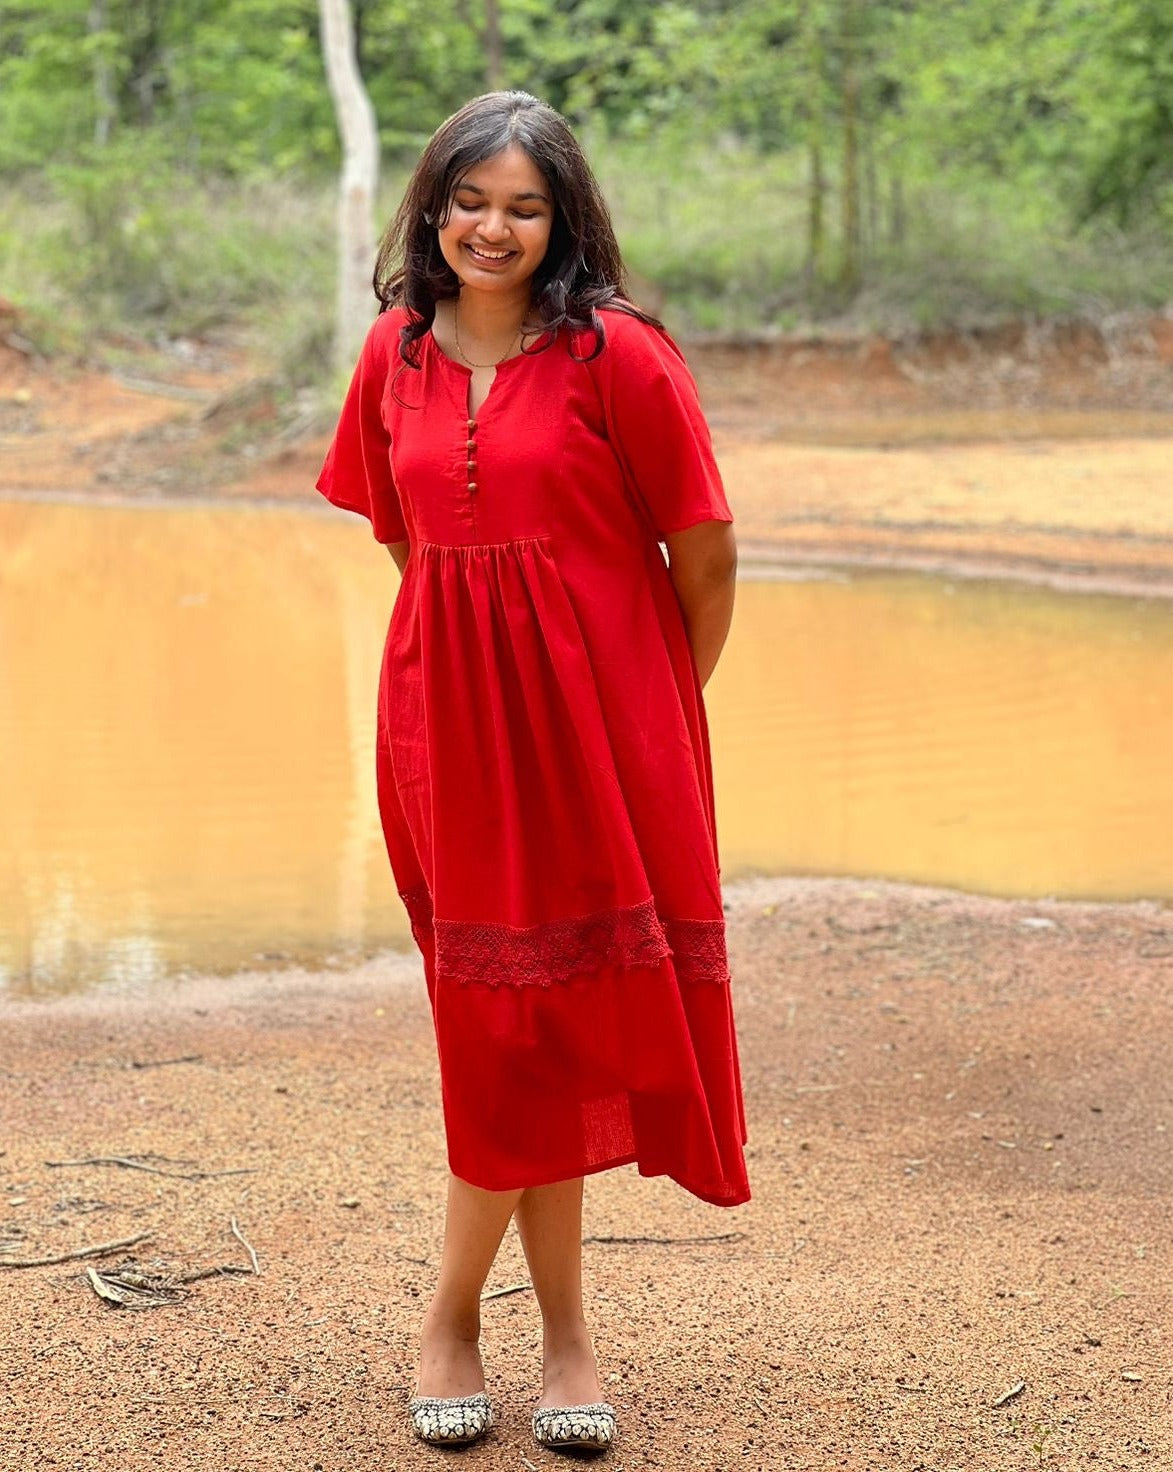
(471, 450)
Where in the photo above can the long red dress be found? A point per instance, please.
(542, 752)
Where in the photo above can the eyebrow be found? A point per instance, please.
(476, 189)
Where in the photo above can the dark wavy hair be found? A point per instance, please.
(582, 269)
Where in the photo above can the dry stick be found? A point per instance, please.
(99, 1251)
(228, 1267)
(163, 1062)
(179, 1175)
(501, 1292)
(1016, 1389)
(239, 1235)
(671, 1241)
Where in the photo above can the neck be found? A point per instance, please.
(493, 314)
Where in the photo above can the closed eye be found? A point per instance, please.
(471, 207)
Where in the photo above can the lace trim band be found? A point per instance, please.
(540, 955)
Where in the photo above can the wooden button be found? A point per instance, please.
(472, 424)
(470, 442)
(472, 464)
(472, 485)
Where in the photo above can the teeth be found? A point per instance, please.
(490, 255)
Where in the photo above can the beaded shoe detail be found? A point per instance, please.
(451, 1420)
(575, 1426)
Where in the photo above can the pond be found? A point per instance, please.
(187, 722)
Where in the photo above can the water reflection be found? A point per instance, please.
(185, 766)
(981, 734)
(187, 716)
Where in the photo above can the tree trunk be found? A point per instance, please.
(359, 178)
(815, 72)
(896, 229)
(815, 232)
(849, 273)
(494, 47)
(871, 194)
(103, 81)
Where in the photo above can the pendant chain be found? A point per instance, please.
(460, 345)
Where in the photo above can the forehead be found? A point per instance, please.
(508, 173)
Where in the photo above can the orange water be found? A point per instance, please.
(187, 710)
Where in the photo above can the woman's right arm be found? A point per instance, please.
(398, 551)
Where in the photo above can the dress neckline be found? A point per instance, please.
(466, 370)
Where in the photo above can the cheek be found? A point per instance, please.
(449, 243)
(538, 240)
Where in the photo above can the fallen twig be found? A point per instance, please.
(131, 1287)
(670, 1241)
(163, 390)
(163, 1062)
(239, 1235)
(99, 1251)
(217, 1272)
(131, 1164)
(1007, 1395)
(501, 1292)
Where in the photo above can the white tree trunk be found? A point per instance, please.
(103, 85)
(360, 174)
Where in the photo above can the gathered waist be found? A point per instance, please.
(468, 547)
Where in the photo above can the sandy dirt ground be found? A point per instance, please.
(957, 1256)
(959, 1110)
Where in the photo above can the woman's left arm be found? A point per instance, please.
(702, 563)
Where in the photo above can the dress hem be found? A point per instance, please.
(711, 1195)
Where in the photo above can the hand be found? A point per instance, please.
(702, 563)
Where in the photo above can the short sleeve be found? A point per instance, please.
(656, 426)
(357, 472)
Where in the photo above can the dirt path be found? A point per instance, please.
(1029, 453)
(960, 1114)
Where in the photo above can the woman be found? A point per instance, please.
(521, 438)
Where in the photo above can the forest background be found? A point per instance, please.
(866, 165)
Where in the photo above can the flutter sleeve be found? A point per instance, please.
(357, 472)
(657, 428)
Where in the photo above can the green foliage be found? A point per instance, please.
(1127, 96)
(769, 160)
(715, 232)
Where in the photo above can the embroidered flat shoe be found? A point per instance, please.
(575, 1426)
(451, 1420)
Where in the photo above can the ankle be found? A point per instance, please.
(454, 1321)
(566, 1334)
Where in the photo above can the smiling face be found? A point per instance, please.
(498, 226)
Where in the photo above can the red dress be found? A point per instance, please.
(542, 752)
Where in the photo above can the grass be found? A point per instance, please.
(714, 236)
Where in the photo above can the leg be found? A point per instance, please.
(549, 1222)
(450, 1357)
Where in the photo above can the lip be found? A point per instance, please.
(488, 263)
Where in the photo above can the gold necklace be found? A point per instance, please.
(460, 345)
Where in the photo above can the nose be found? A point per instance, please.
(493, 225)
